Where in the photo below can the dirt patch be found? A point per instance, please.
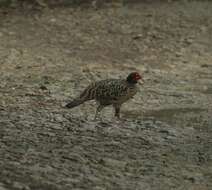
(164, 138)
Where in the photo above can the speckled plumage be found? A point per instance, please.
(109, 92)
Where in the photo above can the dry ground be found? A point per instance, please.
(164, 140)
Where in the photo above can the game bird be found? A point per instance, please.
(109, 92)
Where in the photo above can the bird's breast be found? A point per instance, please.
(128, 94)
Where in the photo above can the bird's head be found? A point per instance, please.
(134, 77)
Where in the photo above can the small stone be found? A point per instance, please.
(205, 88)
(11, 33)
(178, 54)
(185, 61)
(191, 179)
(2, 187)
(41, 3)
(189, 41)
(203, 28)
(205, 65)
(42, 87)
(18, 67)
(52, 20)
(18, 185)
(164, 131)
(137, 37)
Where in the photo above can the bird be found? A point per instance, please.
(107, 92)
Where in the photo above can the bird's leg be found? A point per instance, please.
(117, 111)
(98, 110)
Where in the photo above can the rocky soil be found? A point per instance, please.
(164, 139)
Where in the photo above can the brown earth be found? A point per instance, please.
(163, 141)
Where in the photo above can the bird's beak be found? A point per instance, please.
(141, 81)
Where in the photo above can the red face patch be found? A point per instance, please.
(137, 76)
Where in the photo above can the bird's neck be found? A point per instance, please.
(131, 83)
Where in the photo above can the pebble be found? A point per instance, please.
(52, 20)
(205, 65)
(11, 33)
(18, 185)
(2, 187)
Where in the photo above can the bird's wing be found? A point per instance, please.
(110, 89)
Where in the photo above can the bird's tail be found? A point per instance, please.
(87, 94)
(74, 103)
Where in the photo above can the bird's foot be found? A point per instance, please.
(118, 119)
(97, 118)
